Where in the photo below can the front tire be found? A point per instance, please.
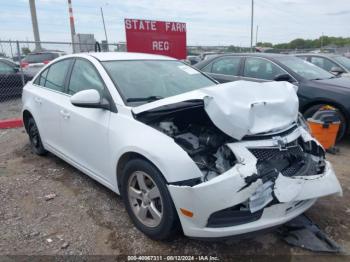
(148, 201)
(34, 138)
(343, 123)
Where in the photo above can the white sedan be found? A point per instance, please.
(219, 160)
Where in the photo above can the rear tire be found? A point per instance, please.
(34, 138)
(153, 214)
(343, 123)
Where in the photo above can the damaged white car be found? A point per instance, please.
(222, 160)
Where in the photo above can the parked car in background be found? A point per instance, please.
(193, 59)
(179, 148)
(336, 64)
(316, 87)
(10, 79)
(33, 62)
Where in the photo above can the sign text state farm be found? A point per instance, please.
(156, 37)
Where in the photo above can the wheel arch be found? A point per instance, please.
(26, 116)
(125, 158)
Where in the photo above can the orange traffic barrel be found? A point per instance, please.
(324, 126)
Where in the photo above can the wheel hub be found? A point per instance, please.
(145, 199)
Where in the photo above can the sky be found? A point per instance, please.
(209, 22)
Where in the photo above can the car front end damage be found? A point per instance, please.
(269, 185)
(260, 166)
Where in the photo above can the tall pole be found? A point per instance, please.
(251, 27)
(71, 20)
(104, 25)
(35, 25)
(256, 34)
(322, 42)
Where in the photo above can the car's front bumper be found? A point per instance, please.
(293, 195)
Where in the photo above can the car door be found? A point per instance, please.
(10, 80)
(224, 69)
(260, 69)
(47, 96)
(85, 130)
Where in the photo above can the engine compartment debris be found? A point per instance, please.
(191, 128)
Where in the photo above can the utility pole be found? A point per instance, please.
(322, 42)
(35, 25)
(104, 26)
(251, 27)
(256, 34)
(71, 20)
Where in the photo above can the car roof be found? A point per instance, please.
(317, 54)
(267, 55)
(7, 60)
(110, 56)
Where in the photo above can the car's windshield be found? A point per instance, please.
(149, 80)
(40, 57)
(344, 61)
(304, 68)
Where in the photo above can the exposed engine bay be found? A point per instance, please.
(193, 130)
(200, 138)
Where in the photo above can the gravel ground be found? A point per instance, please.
(50, 208)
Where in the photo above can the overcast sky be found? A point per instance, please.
(209, 22)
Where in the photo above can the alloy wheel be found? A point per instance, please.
(145, 199)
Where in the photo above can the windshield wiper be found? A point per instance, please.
(144, 99)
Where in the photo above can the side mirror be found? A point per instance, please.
(16, 69)
(336, 70)
(89, 99)
(284, 77)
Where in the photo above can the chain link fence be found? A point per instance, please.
(21, 60)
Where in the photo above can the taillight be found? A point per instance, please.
(24, 64)
(46, 61)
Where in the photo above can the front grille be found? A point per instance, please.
(263, 154)
(292, 155)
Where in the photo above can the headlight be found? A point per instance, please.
(303, 123)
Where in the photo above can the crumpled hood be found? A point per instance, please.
(242, 108)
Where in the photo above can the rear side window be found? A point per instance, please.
(226, 66)
(40, 80)
(84, 76)
(261, 69)
(56, 75)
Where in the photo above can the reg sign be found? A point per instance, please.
(156, 37)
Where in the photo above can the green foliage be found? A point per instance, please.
(264, 44)
(300, 43)
(25, 50)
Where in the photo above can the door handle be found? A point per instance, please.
(37, 100)
(65, 114)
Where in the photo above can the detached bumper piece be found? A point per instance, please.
(302, 232)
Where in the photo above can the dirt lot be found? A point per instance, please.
(85, 218)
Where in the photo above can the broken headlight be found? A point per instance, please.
(303, 123)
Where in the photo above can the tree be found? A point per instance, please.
(264, 44)
(25, 50)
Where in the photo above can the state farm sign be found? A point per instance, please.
(156, 37)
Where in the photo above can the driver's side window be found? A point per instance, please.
(84, 76)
